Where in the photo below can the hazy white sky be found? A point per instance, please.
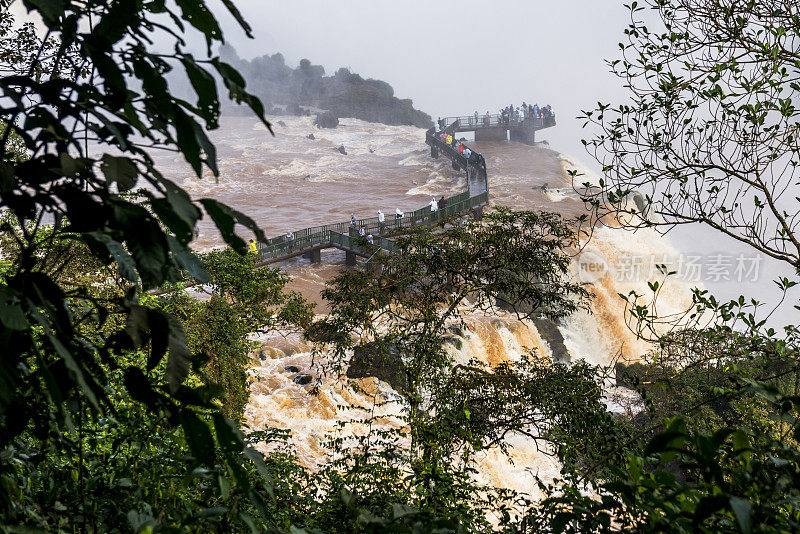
(453, 57)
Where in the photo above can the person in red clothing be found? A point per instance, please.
(460, 148)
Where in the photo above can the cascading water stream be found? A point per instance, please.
(291, 181)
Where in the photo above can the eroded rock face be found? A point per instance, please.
(548, 330)
(381, 361)
(326, 120)
(293, 109)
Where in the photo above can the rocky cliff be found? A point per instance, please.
(345, 94)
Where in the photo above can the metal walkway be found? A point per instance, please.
(345, 235)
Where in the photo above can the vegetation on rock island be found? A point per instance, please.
(121, 407)
(344, 94)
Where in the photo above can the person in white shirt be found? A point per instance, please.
(398, 214)
(381, 221)
(434, 205)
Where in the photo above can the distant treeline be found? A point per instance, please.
(345, 94)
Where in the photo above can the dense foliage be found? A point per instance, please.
(708, 136)
(119, 407)
(244, 300)
(94, 396)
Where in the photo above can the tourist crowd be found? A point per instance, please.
(508, 115)
(472, 157)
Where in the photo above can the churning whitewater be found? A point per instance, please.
(300, 178)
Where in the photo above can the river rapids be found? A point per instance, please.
(291, 181)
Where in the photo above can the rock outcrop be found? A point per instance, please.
(548, 331)
(380, 361)
(345, 94)
(326, 120)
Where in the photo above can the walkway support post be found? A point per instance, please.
(350, 259)
(315, 256)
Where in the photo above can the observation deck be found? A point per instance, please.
(500, 127)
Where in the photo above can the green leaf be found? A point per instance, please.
(247, 520)
(196, 13)
(187, 260)
(186, 139)
(224, 486)
(258, 460)
(158, 323)
(74, 367)
(234, 11)
(145, 241)
(179, 358)
(229, 437)
(51, 10)
(114, 24)
(120, 170)
(125, 264)
(665, 441)
(206, 88)
(11, 314)
(225, 220)
(208, 148)
(742, 509)
(198, 436)
(213, 511)
(399, 510)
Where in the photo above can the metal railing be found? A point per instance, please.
(309, 238)
(470, 122)
(450, 151)
(339, 234)
(361, 246)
